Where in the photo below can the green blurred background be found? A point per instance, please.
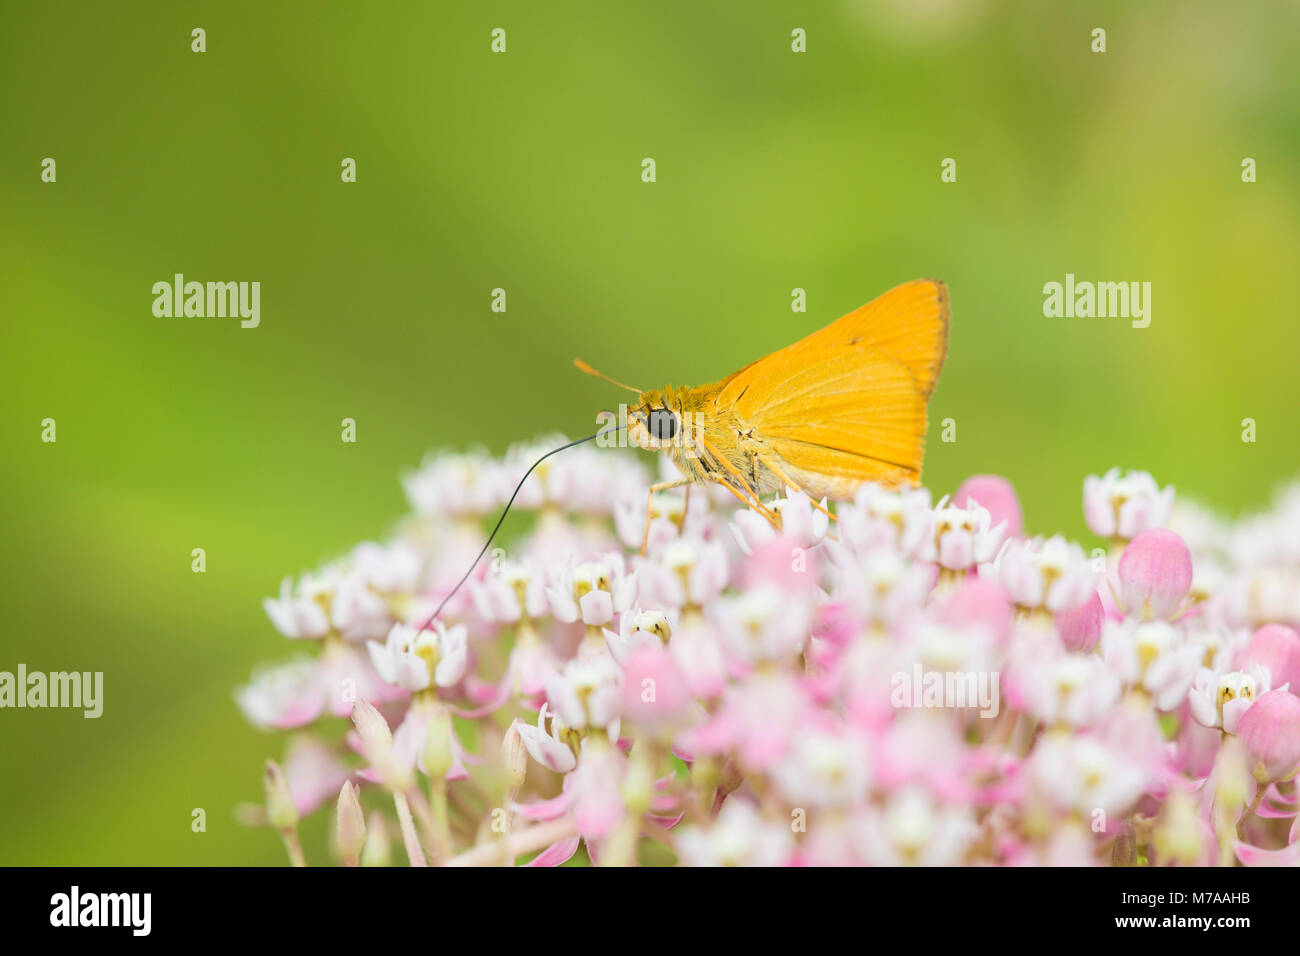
(475, 171)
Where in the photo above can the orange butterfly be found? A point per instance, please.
(844, 406)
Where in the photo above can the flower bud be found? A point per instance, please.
(1080, 627)
(351, 824)
(378, 849)
(1276, 647)
(1231, 778)
(1155, 575)
(1270, 732)
(281, 812)
(437, 743)
(377, 742)
(514, 756)
(1181, 836)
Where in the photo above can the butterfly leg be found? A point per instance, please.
(747, 498)
(769, 462)
(650, 504)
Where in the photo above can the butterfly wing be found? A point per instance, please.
(847, 404)
(909, 324)
(836, 417)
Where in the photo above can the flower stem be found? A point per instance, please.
(293, 846)
(524, 841)
(414, 852)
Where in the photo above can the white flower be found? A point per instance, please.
(738, 837)
(762, 625)
(962, 538)
(357, 611)
(393, 567)
(1218, 699)
(283, 696)
(1152, 655)
(880, 520)
(1060, 687)
(544, 748)
(415, 660)
(1052, 573)
(801, 523)
(301, 613)
(1123, 506)
(1082, 774)
(914, 830)
(588, 693)
(824, 770)
(594, 591)
(454, 486)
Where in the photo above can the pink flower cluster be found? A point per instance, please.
(909, 682)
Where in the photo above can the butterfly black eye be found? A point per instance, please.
(662, 424)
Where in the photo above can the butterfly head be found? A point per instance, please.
(651, 424)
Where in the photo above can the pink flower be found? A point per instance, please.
(995, 495)
(1276, 647)
(655, 695)
(759, 719)
(699, 657)
(1155, 575)
(1270, 732)
(313, 771)
(595, 789)
(289, 695)
(1080, 627)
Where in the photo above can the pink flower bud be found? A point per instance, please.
(978, 602)
(655, 695)
(1155, 575)
(995, 495)
(1080, 627)
(1270, 732)
(1276, 647)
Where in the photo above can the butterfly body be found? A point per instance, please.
(844, 406)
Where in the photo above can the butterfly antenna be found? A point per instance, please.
(583, 366)
(555, 451)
